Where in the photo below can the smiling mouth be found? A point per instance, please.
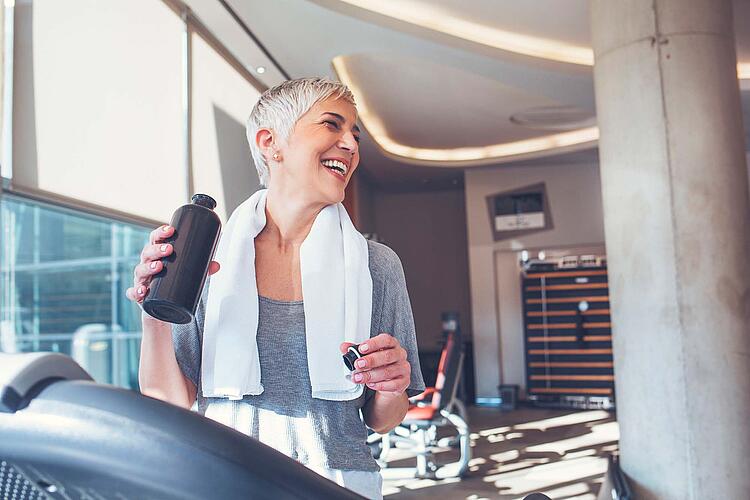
(336, 166)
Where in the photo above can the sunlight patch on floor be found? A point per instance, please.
(561, 456)
(572, 419)
(395, 486)
(571, 490)
(600, 434)
(505, 456)
(541, 477)
(496, 430)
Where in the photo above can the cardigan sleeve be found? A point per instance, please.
(392, 306)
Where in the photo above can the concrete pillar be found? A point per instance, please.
(675, 198)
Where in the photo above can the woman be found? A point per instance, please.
(298, 286)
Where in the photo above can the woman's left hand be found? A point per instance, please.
(383, 366)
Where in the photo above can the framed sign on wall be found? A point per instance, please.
(519, 211)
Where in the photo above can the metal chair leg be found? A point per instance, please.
(462, 465)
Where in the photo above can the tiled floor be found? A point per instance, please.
(561, 453)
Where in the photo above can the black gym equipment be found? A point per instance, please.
(62, 436)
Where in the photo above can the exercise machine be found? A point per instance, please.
(63, 436)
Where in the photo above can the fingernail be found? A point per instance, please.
(140, 290)
(153, 265)
(363, 347)
(165, 228)
(358, 377)
(163, 248)
(360, 363)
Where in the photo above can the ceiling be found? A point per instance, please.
(423, 88)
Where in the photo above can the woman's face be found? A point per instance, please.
(322, 153)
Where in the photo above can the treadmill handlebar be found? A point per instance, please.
(23, 374)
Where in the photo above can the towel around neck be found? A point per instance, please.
(337, 294)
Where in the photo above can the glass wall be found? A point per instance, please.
(63, 276)
(90, 129)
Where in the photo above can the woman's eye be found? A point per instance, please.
(356, 138)
(332, 124)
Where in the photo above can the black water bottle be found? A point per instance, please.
(174, 293)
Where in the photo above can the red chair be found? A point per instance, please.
(435, 408)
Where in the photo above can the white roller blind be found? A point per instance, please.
(222, 100)
(98, 103)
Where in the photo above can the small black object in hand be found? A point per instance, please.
(352, 355)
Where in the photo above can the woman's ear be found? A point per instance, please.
(264, 139)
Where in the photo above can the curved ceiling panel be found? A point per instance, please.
(428, 105)
(472, 26)
(409, 108)
(561, 36)
(564, 22)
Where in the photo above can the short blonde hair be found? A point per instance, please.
(280, 107)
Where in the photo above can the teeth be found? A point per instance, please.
(335, 164)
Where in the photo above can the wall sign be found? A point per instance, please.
(520, 211)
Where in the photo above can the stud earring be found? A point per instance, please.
(276, 156)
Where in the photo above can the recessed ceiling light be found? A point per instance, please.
(554, 118)
(260, 69)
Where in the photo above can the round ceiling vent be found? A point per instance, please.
(554, 118)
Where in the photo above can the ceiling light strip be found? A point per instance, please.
(429, 17)
(468, 155)
(437, 20)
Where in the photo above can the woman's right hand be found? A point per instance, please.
(151, 264)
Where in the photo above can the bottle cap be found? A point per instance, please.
(352, 355)
(204, 200)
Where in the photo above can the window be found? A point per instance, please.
(92, 132)
(63, 276)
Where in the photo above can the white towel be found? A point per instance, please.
(337, 294)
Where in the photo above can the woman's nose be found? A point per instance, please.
(348, 143)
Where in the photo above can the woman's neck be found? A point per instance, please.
(288, 219)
